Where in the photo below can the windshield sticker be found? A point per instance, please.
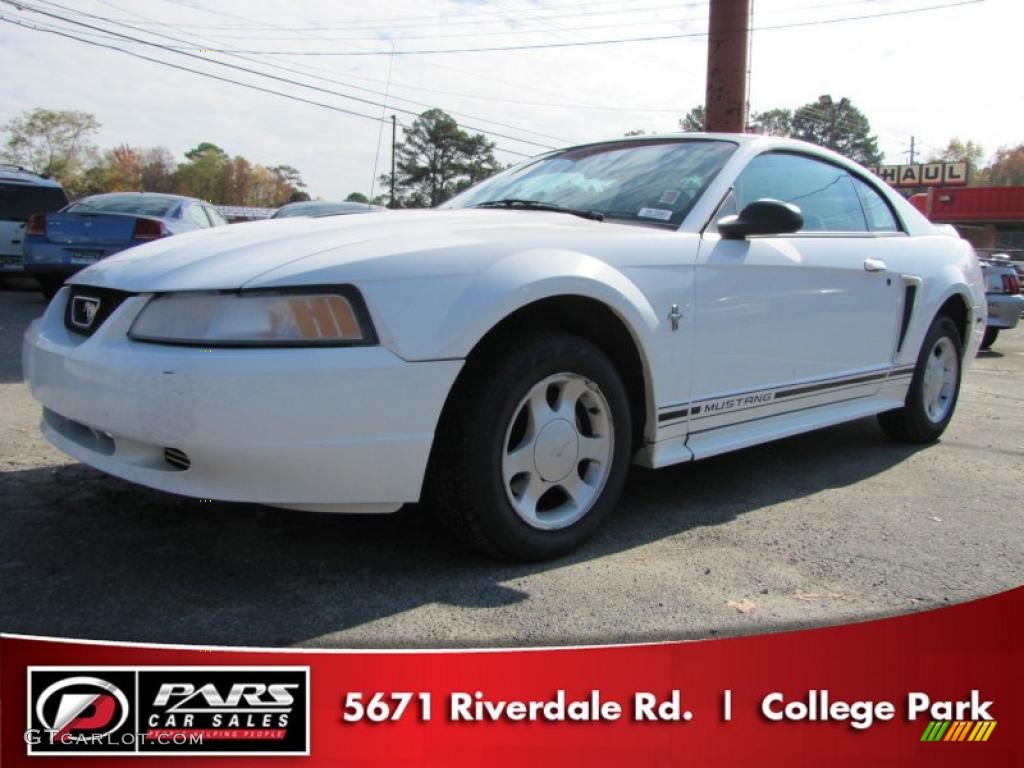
(669, 197)
(655, 213)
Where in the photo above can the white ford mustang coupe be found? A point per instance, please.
(506, 357)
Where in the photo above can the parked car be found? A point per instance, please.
(652, 300)
(1002, 292)
(22, 193)
(57, 245)
(322, 208)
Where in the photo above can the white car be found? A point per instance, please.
(506, 357)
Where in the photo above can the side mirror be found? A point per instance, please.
(762, 217)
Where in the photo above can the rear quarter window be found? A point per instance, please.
(879, 215)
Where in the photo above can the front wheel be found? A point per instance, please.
(534, 450)
(934, 389)
(990, 337)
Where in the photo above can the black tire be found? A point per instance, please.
(466, 486)
(991, 334)
(49, 286)
(911, 423)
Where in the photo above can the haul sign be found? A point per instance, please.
(924, 174)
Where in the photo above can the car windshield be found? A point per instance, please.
(19, 201)
(318, 209)
(140, 205)
(640, 181)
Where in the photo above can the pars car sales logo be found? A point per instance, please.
(168, 710)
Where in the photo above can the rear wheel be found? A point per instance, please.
(991, 334)
(934, 388)
(534, 454)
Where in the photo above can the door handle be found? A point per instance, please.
(874, 265)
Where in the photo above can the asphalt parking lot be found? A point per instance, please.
(825, 528)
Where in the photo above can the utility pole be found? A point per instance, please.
(394, 134)
(913, 149)
(726, 91)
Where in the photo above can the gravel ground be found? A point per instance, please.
(826, 528)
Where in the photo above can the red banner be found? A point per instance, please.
(937, 688)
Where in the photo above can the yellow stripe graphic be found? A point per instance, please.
(976, 731)
(988, 731)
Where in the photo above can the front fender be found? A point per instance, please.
(444, 317)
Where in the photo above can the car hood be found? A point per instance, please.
(388, 244)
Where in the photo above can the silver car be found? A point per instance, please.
(1002, 291)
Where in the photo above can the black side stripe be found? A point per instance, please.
(669, 415)
(774, 415)
(795, 398)
(829, 385)
(794, 392)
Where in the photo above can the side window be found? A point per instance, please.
(194, 213)
(215, 218)
(824, 193)
(880, 215)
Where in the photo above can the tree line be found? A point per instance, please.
(58, 144)
(842, 127)
(436, 159)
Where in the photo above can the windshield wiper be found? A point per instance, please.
(537, 205)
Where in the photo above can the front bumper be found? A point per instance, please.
(348, 429)
(1004, 309)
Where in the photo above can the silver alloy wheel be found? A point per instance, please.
(557, 451)
(939, 381)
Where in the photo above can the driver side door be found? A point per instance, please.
(796, 321)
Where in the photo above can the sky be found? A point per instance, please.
(932, 69)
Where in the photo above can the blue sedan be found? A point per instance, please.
(59, 244)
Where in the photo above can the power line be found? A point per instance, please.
(813, 112)
(38, 28)
(251, 86)
(809, 112)
(420, 21)
(248, 70)
(582, 43)
(498, 19)
(380, 137)
(300, 72)
(476, 33)
(476, 96)
(462, 71)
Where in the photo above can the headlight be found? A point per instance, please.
(307, 317)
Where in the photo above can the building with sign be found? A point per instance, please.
(924, 174)
(992, 218)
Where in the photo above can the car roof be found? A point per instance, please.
(144, 194)
(18, 175)
(299, 203)
(744, 140)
